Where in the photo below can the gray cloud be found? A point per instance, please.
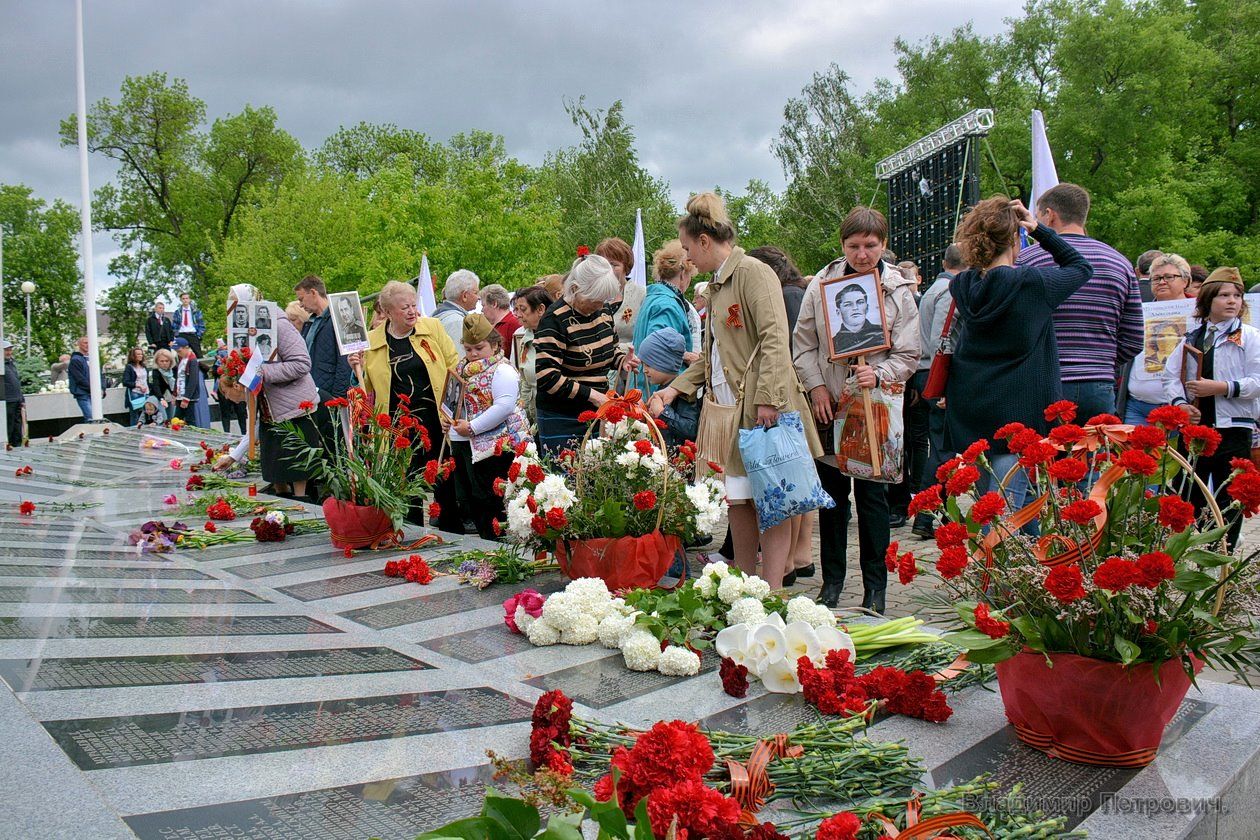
(704, 84)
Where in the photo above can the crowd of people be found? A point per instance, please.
(1025, 325)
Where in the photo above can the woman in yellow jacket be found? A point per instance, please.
(409, 357)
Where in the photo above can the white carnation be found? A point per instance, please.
(614, 629)
(755, 587)
(731, 589)
(641, 650)
(748, 611)
(519, 517)
(583, 630)
(677, 661)
(542, 633)
(552, 492)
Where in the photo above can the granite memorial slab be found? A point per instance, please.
(131, 671)
(98, 743)
(1060, 788)
(392, 808)
(766, 715)
(480, 644)
(306, 563)
(447, 602)
(88, 627)
(121, 595)
(607, 681)
(316, 590)
(35, 553)
(93, 572)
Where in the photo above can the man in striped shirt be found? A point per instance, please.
(1099, 328)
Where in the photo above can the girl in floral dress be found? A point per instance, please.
(488, 426)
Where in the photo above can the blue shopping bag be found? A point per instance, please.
(781, 471)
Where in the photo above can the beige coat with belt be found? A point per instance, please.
(746, 308)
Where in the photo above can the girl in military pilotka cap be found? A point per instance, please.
(488, 413)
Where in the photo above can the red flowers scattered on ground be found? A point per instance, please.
(195, 482)
(700, 810)
(645, 500)
(26, 508)
(210, 527)
(220, 509)
(21, 471)
(843, 826)
(1066, 583)
(267, 531)
(412, 568)
(549, 738)
(836, 689)
(667, 754)
(734, 677)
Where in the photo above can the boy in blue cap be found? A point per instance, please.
(662, 356)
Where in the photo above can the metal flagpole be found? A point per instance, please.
(85, 215)
(3, 405)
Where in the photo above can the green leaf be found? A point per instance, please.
(971, 640)
(1192, 581)
(1208, 559)
(563, 827)
(966, 612)
(470, 828)
(519, 821)
(607, 815)
(999, 651)
(1178, 543)
(1128, 651)
(642, 825)
(1029, 630)
(1207, 537)
(614, 517)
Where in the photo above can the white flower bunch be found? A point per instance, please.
(709, 499)
(641, 650)
(572, 616)
(552, 492)
(628, 428)
(803, 609)
(654, 461)
(519, 517)
(748, 611)
(772, 649)
(677, 661)
(277, 517)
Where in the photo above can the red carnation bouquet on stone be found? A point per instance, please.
(1121, 560)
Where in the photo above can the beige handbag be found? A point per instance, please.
(719, 424)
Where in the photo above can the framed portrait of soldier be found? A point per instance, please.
(240, 317)
(348, 323)
(853, 312)
(452, 403)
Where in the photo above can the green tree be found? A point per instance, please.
(756, 215)
(39, 246)
(179, 188)
(130, 299)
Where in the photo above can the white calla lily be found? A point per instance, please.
(830, 638)
(771, 640)
(801, 641)
(780, 677)
(775, 620)
(732, 642)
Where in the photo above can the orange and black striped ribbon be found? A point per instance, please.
(750, 784)
(1046, 743)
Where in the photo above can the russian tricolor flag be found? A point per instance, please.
(252, 377)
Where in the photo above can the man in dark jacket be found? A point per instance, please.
(329, 368)
(80, 372)
(13, 399)
(158, 330)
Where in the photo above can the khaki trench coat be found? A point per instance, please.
(745, 309)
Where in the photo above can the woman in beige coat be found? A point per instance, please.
(746, 313)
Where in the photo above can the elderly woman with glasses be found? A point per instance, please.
(1142, 385)
(408, 357)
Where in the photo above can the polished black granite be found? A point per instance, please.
(131, 671)
(607, 681)
(94, 572)
(480, 644)
(89, 627)
(446, 602)
(98, 743)
(316, 590)
(123, 595)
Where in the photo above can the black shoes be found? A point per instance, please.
(923, 527)
(873, 601)
(806, 571)
(896, 520)
(830, 595)
(789, 579)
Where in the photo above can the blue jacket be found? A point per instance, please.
(79, 373)
(329, 368)
(198, 322)
(662, 307)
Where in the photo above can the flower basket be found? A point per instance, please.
(622, 563)
(1090, 711)
(356, 526)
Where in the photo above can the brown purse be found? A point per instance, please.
(719, 424)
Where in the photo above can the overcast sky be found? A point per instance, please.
(704, 83)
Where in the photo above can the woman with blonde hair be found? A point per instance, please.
(665, 306)
(747, 359)
(296, 314)
(162, 381)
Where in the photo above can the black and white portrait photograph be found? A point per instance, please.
(854, 310)
(262, 317)
(240, 317)
(263, 345)
(240, 340)
(452, 397)
(348, 323)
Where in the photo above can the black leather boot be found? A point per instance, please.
(830, 594)
(874, 601)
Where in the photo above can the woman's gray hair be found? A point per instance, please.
(392, 291)
(591, 277)
(163, 353)
(495, 295)
(1176, 261)
(461, 280)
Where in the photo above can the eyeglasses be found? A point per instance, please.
(1167, 278)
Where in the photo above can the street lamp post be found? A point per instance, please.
(28, 289)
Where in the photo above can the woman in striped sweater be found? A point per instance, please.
(575, 348)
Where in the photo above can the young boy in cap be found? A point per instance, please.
(662, 356)
(487, 412)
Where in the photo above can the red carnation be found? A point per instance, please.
(695, 808)
(1175, 513)
(499, 486)
(1138, 462)
(210, 527)
(583, 251)
(843, 826)
(645, 500)
(497, 527)
(586, 417)
(426, 442)
(1170, 418)
(890, 556)
(556, 518)
(951, 534)
(401, 442)
(991, 627)
(383, 420)
(1070, 470)
(538, 525)
(534, 473)
(734, 677)
(906, 568)
(987, 508)
(644, 447)
(962, 480)
(1064, 411)
(514, 471)
(1153, 568)
(1115, 574)
(946, 469)
(1244, 488)
(925, 500)
(305, 405)
(448, 466)
(1201, 440)
(1009, 430)
(614, 413)
(1037, 453)
(435, 510)
(1067, 434)
(1066, 583)
(1082, 512)
(971, 453)
(26, 508)
(1147, 437)
(952, 561)
(532, 504)
(431, 470)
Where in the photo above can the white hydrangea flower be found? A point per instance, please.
(719, 568)
(755, 587)
(613, 630)
(641, 650)
(541, 633)
(706, 586)
(731, 589)
(561, 610)
(677, 661)
(523, 620)
(800, 608)
(748, 611)
(583, 630)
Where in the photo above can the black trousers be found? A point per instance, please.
(872, 522)
(229, 409)
(13, 419)
(474, 487)
(1214, 469)
(915, 414)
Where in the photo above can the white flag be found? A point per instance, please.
(424, 288)
(638, 274)
(1044, 175)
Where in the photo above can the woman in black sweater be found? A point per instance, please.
(1005, 367)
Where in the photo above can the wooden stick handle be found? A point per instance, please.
(872, 439)
(253, 425)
